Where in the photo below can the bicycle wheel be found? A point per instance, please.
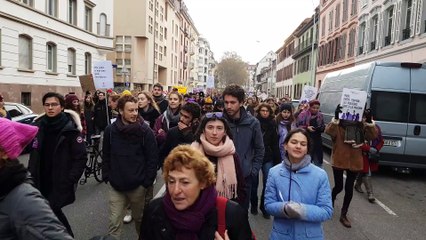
(97, 167)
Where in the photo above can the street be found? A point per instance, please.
(399, 212)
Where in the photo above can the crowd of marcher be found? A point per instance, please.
(210, 148)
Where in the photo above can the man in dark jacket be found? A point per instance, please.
(58, 155)
(160, 99)
(100, 117)
(246, 133)
(184, 131)
(130, 159)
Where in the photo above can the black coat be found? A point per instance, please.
(174, 138)
(156, 226)
(150, 116)
(100, 119)
(270, 140)
(128, 164)
(70, 159)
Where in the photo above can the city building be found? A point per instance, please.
(46, 45)
(304, 56)
(205, 64)
(155, 41)
(338, 22)
(284, 69)
(391, 31)
(265, 74)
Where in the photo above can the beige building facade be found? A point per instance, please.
(46, 45)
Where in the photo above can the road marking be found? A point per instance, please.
(161, 191)
(382, 205)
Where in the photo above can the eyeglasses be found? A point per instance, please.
(214, 115)
(51, 104)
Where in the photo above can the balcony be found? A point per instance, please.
(373, 45)
(185, 65)
(360, 50)
(303, 48)
(387, 40)
(406, 33)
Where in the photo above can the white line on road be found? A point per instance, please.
(161, 191)
(382, 205)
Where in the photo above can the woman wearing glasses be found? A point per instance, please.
(214, 139)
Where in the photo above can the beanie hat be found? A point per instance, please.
(126, 92)
(286, 106)
(15, 136)
(208, 100)
(314, 102)
(70, 98)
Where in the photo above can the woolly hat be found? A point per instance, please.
(126, 92)
(15, 136)
(314, 102)
(286, 106)
(70, 98)
(208, 100)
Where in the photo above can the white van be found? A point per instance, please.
(396, 94)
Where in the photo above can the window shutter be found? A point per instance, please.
(418, 15)
(381, 30)
(413, 18)
(396, 24)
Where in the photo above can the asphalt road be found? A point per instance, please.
(399, 213)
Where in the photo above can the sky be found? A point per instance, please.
(251, 28)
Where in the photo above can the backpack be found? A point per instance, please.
(221, 217)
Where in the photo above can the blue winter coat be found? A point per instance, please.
(310, 187)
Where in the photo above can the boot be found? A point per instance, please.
(358, 183)
(344, 219)
(369, 188)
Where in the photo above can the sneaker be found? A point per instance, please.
(358, 188)
(128, 218)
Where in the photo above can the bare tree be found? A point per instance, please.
(231, 70)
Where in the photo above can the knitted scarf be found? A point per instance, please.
(188, 222)
(133, 131)
(226, 182)
(296, 166)
(171, 119)
(11, 175)
(354, 133)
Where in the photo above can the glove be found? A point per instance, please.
(338, 110)
(368, 115)
(373, 150)
(294, 210)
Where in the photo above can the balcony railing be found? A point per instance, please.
(185, 65)
(387, 40)
(107, 29)
(373, 45)
(406, 33)
(185, 49)
(360, 50)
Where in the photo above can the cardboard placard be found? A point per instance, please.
(86, 82)
(353, 104)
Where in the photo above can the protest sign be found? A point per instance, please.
(210, 82)
(102, 75)
(353, 104)
(86, 82)
(308, 93)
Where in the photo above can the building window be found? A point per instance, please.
(87, 63)
(389, 25)
(52, 7)
(103, 26)
(25, 52)
(345, 11)
(26, 98)
(361, 38)
(323, 27)
(88, 18)
(374, 31)
(51, 57)
(27, 2)
(354, 6)
(71, 61)
(406, 31)
(0, 47)
(123, 43)
(351, 44)
(337, 20)
(72, 12)
(330, 21)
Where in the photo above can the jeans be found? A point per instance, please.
(255, 184)
(118, 201)
(338, 187)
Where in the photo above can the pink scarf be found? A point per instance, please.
(226, 182)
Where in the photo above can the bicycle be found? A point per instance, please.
(94, 163)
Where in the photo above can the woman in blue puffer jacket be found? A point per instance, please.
(297, 192)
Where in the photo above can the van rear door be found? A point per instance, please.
(390, 95)
(416, 132)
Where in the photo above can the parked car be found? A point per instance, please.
(20, 113)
